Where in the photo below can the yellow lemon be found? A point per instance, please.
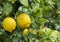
(23, 20)
(9, 24)
(25, 32)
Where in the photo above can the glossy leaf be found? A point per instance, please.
(24, 2)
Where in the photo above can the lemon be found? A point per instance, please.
(25, 32)
(9, 24)
(23, 20)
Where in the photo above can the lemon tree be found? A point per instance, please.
(29, 20)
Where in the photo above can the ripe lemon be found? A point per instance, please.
(25, 32)
(9, 24)
(23, 20)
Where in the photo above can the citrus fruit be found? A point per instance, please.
(23, 20)
(25, 32)
(9, 24)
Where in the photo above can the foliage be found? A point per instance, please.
(43, 14)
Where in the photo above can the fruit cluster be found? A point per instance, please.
(23, 20)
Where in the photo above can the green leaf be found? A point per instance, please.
(31, 36)
(47, 40)
(35, 26)
(24, 2)
(50, 2)
(7, 40)
(36, 8)
(0, 33)
(58, 11)
(0, 10)
(7, 8)
(12, 1)
(42, 20)
(58, 18)
(15, 39)
(38, 14)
